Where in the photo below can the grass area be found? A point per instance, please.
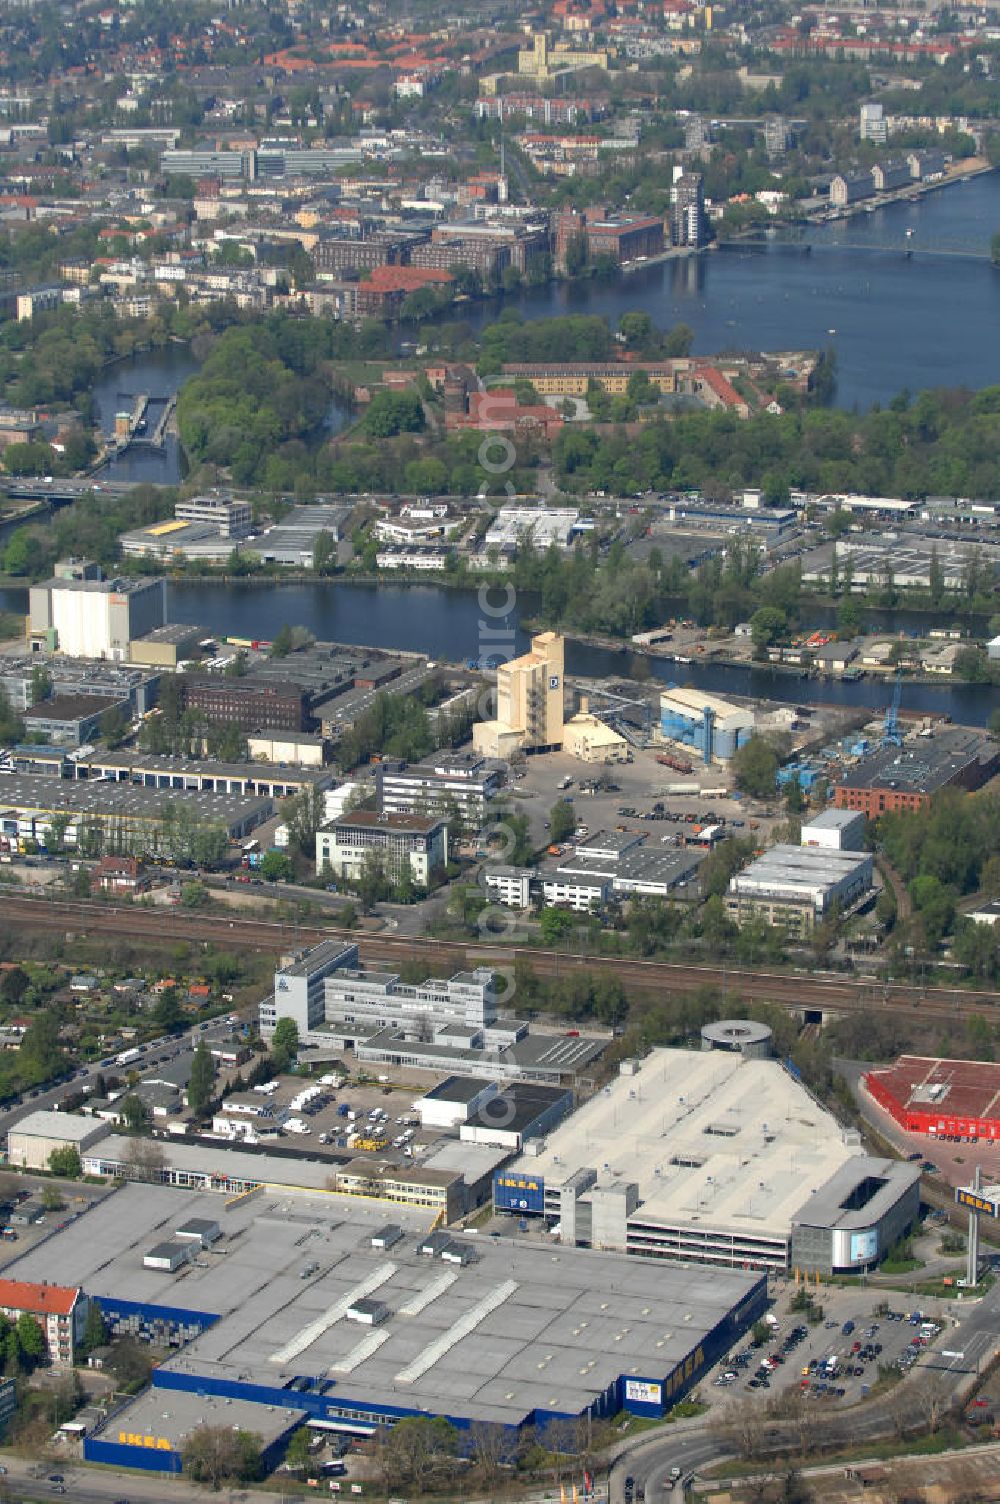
(900, 1266)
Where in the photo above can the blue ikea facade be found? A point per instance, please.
(322, 1399)
(519, 1193)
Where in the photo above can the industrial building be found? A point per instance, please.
(835, 830)
(908, 563)
(710, 1157)
(951, 1098)
(795, 886)
(498, 1331)
(900, 778)
(175, 540)
(293, 539)
(604, 865)
(414, 843)
(71, 720)
(31, 803)
(439, 1186)
(711, 727)
(77, 676)
(32, 1141)
(590, 739)
(486, 1113)
(529, 702)
(161, 770)
(248, 702)
(88, 618)
(167, 646)
(546, 527)
(458, 782)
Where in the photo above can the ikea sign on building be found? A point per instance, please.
(519, 1193)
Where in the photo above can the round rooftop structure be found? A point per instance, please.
(740, 1036)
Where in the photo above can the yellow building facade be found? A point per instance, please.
(529, 702)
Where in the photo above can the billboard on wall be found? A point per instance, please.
(641, 1392)
(519, 1193)
(864, 1246)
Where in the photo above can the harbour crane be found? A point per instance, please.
(891, 734)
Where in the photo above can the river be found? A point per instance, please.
(928, 321)
(449, 625)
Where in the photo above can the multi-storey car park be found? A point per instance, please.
(316, 1306)
(715, 1157)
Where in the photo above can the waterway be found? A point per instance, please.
(159, 373)
(894, 322)
(450, 625)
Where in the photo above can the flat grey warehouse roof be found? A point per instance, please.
(102, 797)
(525, 1326)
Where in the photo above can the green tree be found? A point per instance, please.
(555, 924)
(285, 1043)
(297, 1454)
(13, 985)
(195, 895)
(276, 867)
(95, 1329)
(755, 768)
(167, 1013)
(390, 413)
(30, 1338)
(65, 1161)
(768, 624)
(562, 821)
(220, 1454)
(134, 1113)
(202, 1081)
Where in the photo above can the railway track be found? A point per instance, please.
(803, 993)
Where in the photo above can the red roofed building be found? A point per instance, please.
(384, 292)
(716, 391)
(61, 1313)
(499, 410)
(942, 1098)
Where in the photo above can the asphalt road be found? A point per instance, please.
(85, 1485)
(178, 1049)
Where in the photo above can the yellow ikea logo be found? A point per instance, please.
(519, 1185)
(136, 1439)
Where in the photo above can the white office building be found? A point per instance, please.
(835, 830)
(230, 518)
(398, 841)
(795, 886)
(460, 783)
